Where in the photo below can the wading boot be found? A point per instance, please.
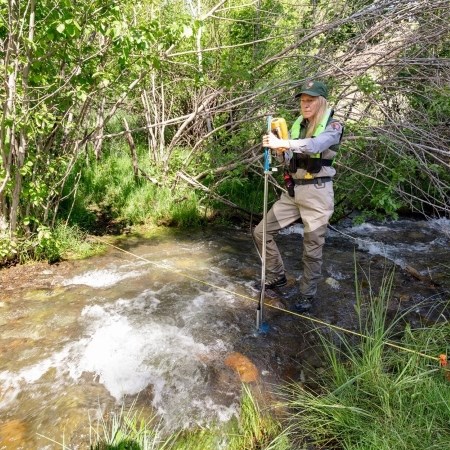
(273, 282)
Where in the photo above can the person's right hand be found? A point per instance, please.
(271, 141)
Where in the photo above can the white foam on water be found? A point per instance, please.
(147, 300)
(9, 388)
(130, 353)
(392, 252)
(114, 354)
(400, 253)
(333, 283)
(224, 413)
(203, 309)
(93, 311)
(441, 225)
(166, 264)
(127, 358)
(102, 278)
(336, 273)
(199, 301)
(293, 229)
(368, 228)
(12, 383)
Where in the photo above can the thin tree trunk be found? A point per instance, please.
(7, 129)
(132, 145)
(98, 143)
(15, 152)
(151, 139)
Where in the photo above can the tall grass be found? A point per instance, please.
(72, 242)
(108, 191)
(376, 396)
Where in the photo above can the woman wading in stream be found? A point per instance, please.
(308, 156)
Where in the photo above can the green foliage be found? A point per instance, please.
(47, 246)
(248, 24)
(245, 190)
(108, 193)
(76, 57)
(82, 57)
(125, 430)
(143, 203)
(73, 243)
(185, 213)
(428, 99)
(374, 177)
(123, 445)
(433, 102)
(257, 429)
(8, 249)
(368, 85)
(40, 173)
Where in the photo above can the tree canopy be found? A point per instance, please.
(191, 83)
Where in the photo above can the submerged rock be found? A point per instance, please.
(246, 370)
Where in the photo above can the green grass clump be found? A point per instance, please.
(62, 242)
(255, 429)
(73, 243)
(375, 395)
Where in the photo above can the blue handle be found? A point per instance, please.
(267, 154)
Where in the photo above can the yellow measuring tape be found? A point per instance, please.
(442, 359)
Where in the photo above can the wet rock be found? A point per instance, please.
(402, 298)
(332, 283)
(246, 370)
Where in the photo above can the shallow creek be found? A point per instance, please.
(170, 324)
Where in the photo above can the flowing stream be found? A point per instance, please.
(168, 324)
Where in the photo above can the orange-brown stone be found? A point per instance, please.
(246, 370)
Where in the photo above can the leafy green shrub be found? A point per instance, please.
(8, 249)
(46, 246)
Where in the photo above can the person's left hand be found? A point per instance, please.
(271, 141)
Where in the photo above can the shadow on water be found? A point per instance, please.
(171, 325)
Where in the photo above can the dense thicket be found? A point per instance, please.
(185, 88)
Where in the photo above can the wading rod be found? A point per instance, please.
(260, 310)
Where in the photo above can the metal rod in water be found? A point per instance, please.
(260, 311)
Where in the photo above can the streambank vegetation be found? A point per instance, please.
(131, 113)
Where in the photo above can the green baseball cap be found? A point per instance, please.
(314, 88)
